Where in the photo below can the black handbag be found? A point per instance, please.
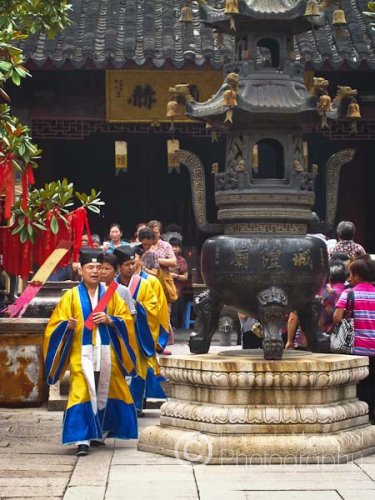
(342, 336)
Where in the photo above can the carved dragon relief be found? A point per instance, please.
(198, 190)
(333, 169)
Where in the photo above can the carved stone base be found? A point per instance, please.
(235, 407)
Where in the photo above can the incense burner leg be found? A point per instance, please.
(271, 306)
(207, 308)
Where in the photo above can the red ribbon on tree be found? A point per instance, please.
(79, 224)
(27, 179)
(8, 182)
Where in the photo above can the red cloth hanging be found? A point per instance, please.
(80, 223)
(27, 179)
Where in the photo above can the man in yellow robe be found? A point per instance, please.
(154, 377)
(147, 323)
(92, 331)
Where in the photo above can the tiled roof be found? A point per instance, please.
(114, 33)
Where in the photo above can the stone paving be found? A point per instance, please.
(34, 465)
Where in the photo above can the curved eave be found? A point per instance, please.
(244, 119)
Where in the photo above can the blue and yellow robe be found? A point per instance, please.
(147, 327)
(153, 387)
(163, 309)
(107, 409)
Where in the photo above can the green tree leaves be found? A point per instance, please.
(54, 201)
(19, 19)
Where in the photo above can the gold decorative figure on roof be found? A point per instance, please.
(231, 7)
(172, 109)
(354, 114)
(230, 98)
(186, 15)
(338, 18)
(324, 107)
(312, 9)
(232, 80)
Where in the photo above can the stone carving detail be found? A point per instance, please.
(301, 180)
(264, 415)
(198, 188)
(251, 379)
(333, 167)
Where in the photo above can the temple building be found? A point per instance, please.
(101, 88)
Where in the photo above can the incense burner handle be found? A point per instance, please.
(198, 190)
(333, 169)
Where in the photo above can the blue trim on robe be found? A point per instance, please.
(87, 309)
(153, 387)
(60, 336)
(115, 343)
(119, 420)
(138, 390)
(163, 338)
(144, 336)
(80, 424)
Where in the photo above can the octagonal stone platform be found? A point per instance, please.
(234, 407)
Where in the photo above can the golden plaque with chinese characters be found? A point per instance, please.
(141, 95)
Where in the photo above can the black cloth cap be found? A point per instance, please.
(89, 255)
(124, 253)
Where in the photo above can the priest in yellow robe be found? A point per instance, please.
(91, 331)
(147, 323)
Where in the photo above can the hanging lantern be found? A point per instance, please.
(255, 158)
(186, 15)
(121, 156)
(324, 106)
(354, 114)
(338, 18)
(231, 7)
(173, 145)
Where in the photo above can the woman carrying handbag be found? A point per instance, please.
(361, 278)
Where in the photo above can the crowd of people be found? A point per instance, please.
(350, 268)
(114, 324)
(110, 328)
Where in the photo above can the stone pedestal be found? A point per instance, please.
(235, 407)
(21, 361)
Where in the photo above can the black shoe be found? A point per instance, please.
(140, 413)
(94, 443)
(82, 450)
